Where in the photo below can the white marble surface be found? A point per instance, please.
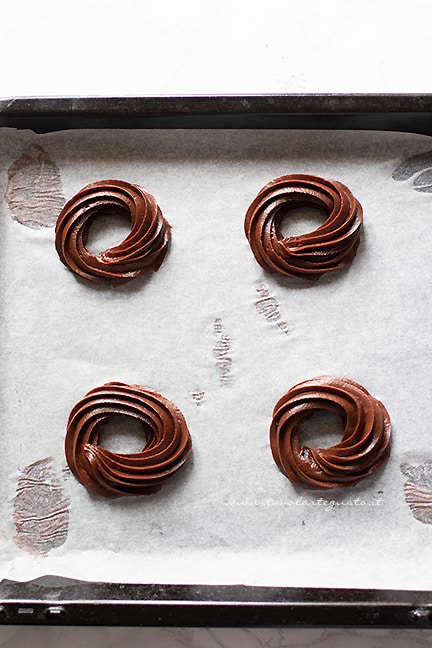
(103, 47)
(210, 638)
(98, 47)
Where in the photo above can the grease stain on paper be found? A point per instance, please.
(34, 191)
(419, 169)
(222, 353)
(198, 396)
(268, 306)
(418, 490)
(41, 509)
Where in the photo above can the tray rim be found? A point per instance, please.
(398, 112)
(60, 601)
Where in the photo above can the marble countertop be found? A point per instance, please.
(42, 637)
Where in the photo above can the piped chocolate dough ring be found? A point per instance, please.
(365, 443)
(141, 252)
(168, 442)
(331, 246)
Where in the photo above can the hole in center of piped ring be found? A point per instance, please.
(321, 429)
(108, 228)
(123, 434)
(298, 220)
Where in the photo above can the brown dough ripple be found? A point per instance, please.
(331, 246)
(365, 443)
(168, 442)
(141, 252)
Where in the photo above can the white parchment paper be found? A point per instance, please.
(223, 340)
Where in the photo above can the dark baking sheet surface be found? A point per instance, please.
(57, 601)
(64, 602)
(403, 112)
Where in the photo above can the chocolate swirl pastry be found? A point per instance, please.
(168, 442)
(365, 442)
(331, 246)
(142, 251)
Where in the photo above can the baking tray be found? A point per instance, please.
(60, 601)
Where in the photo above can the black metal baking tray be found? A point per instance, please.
(59, 601)
(403, 112)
